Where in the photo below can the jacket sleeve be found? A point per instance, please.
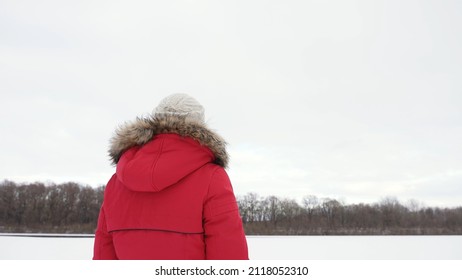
(103, 248)
(224, 233)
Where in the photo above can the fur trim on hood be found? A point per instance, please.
(142, 130)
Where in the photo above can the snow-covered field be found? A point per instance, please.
(80, 247)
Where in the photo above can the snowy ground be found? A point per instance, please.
(80, 247)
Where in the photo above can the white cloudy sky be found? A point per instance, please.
(354, 100)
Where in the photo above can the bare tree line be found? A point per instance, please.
(74, 208)
(314, 216)
(36, 207)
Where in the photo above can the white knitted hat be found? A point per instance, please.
(180, 104)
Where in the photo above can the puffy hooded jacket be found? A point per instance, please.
(170, 197)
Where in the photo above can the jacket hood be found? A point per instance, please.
(152, 153)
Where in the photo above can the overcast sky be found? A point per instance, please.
(352, 100)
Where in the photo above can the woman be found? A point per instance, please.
(170, 197)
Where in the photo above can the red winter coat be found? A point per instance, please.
(170, 197)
